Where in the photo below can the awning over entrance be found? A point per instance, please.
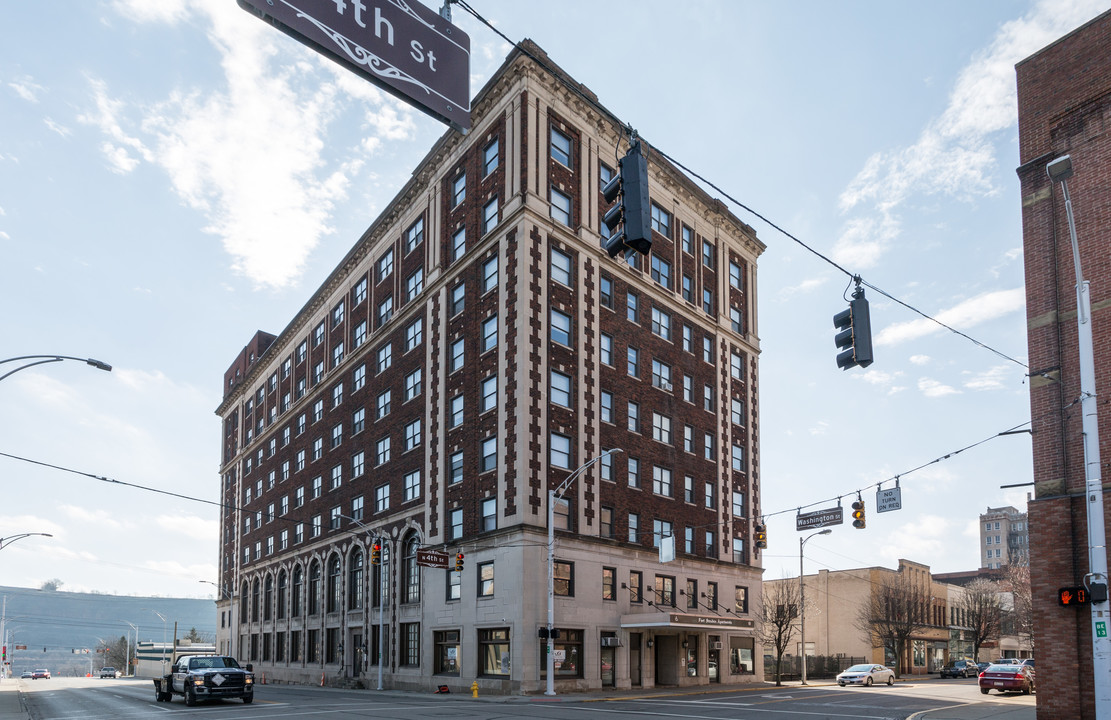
(682, 620)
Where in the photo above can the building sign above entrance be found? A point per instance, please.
(682, 620)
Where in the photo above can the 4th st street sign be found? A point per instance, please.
(399, 45)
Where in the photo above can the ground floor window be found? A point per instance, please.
(267, 639)
(254, 646)
(447, 652)
(279, 649)
(332, 651)
(568, 653)
(377, 632)
(493, 651)
(313, 650)
(740, 656)
(691, 651)
(295, 646)
(410, 652)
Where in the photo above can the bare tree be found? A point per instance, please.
(116, 654)
(1017, 576)
(982, 605)
(897, 609)
(777, 617)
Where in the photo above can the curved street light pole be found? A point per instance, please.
(129, 670)
(553, 495)
(6, 541)
(43, 359)
(224, 594)
(802, 602)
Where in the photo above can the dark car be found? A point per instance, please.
(960, 668)
(1007, 678)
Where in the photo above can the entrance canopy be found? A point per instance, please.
(682, 620)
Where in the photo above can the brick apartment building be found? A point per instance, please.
(1064, 102)
(474, 348)
(1004, 537)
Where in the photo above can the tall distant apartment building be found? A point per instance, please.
(475, 349)
(1004, 538)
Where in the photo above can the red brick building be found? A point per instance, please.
(1064, 102)
(474, 348)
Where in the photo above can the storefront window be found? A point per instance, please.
(692, 655)
(568, 654)
(740, 656)
(493, 651)
(447, 652)
(919, 653)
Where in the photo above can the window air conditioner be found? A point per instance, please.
(611, 642)
(716, 645)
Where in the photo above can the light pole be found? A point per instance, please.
(6, 541)
(1060, 170)
(375, 535)
(163, 619)
(129, 670)
(224, 594)
(802, 601)
(43, 359)
(553, 495)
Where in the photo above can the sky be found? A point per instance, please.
(176, 175)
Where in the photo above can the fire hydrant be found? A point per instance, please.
(474, 689)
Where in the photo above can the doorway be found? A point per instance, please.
(634, 659)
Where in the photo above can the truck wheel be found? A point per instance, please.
(248, 699)
(190, 697)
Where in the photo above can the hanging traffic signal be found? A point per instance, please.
(634, 210)
(858, 514)
(459, 562)
(762, 536)
(376, 554)
(855, 336)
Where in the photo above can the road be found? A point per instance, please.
(128, 699)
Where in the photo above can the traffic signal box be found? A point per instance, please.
(858, 515)
(855, 333)
(762, 536)
(376, 554)
(459, 562)
(633, 210)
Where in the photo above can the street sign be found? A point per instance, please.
(820, 518)
(400, 45)
(888, 500)
(432, 558)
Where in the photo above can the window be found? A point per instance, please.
(318, 448)
(633, 361)
(455, 412)
(489, 393)
(688, 439)
(661, 220)
(735, 321)
(456, 468)
(710, 495)
(414, 235)
(688, 389)
(489, 514)
(607, 406)
(317, 487)
(740, 604)
(563, 574)
(708, 254)
(560, 393)
(489, 454)
(385, 265)
(688, 489)
(490, 274)
(489, 216)
(299, 497)
(493, 646)
(661, 323)
(458, 355)
(489, 333)
(736, 411)
(383, 450)
(606, 291)
(458, 298)
(688, 289)
(634, 417)
(606, 468)
(661, 375)
(357, 508)
(708, 301)
(486, 579)
(459, 243)
(605, 342)
(456, 528)
(688, 339)
(414, 334)
(736, 280)
(561, 148)
(738, 504)
(385, 311)
(636, 584)
(560, 451)
(360, 291)
(385, 357)
(414, 284)
(605, 522)
(337, 477)
(333, 520)
(382, 405)
(358, 378)
(688, 240)
(708, 446)
(562, 514)
(490, 157)
(661, 481)
(736, 367)
(738, 458)
(458, 190)
(660, 529)
(661, 271)
(561, 207)
(561, 267)
(561, 327)
(738, 550)
(665, 590)
(454, 592)
(634, 472)
(708, 398)
(661, 428)
(337, 354)
(381, 498)
(631, 303)
(412, 435)
(318, 334)
(412, 384)
(337, 435)
(410, 648)
(609, 583)
(318, 373)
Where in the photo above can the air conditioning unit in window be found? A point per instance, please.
(716, 645)
(611, 642)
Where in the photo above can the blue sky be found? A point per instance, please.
(176, 174)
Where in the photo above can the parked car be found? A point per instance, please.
(1015, 661)
(866, 675)
(960, 668)
(109, 672)
(1007, 678)
(983, 666)
(27, 675)
(42, 673)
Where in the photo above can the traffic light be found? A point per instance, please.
(376, 554)
(1077, 595)
(855, 336)
(762, 536)
(459, 562)
(634, 210)
(858, 514)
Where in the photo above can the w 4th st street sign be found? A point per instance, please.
(400, 45)
(432, 558)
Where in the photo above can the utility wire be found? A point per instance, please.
(601, 108)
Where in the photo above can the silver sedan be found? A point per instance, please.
(866, 675)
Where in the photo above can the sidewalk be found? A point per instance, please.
(11, 708)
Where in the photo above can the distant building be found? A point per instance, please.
(1004, 538)
(475, 348)
(153, 659)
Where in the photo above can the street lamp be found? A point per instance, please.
(553, 495)
(1060, 170)
(4, 542)
(802, 601)
(163, 619)
(43, 359)
(130, 670)
(224, 594)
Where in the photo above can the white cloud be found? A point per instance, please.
(58, 128)
(991, 379)
(921, 538)
(953, 154)
(26, 89)
(100, 518)
(963, 316)
(4, 235)
(878, 377)
(933, 388)
(920, 359)
(194, 527)
(163, 11)
(807, 285)
(820, 428)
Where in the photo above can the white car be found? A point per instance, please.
(866, 675)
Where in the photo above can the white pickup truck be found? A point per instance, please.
(206, 677)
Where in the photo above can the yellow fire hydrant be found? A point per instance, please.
(474, 689)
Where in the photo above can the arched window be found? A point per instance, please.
(243, 593)
(410, 577)
(298, 588)
(314, 588)
(355, 581)
(254, 600)
(268, 598)
(281, 594)
(335, 588)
